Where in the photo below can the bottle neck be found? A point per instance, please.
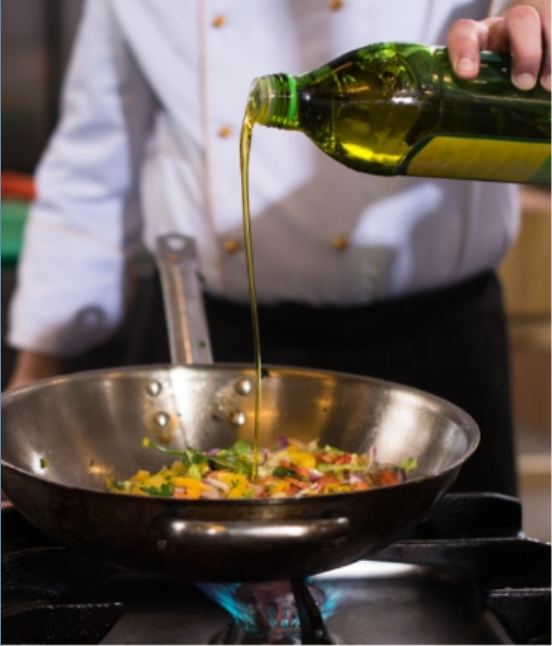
(273, 101)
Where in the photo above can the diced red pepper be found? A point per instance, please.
(324, 457)
(360, 486)
(343, 459)
(297, 483)
(386, 477)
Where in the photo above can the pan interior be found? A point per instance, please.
(78, 430)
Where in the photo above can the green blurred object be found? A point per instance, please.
(14, 218)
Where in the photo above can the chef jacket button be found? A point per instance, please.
(340, 243)
(231, 245)
(219, 21)
(225, 131)
(336, 5)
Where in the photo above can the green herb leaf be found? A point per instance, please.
(163, 449)
(194, 472)
(283, 472)
(332, 451)
(191, 456)
(219, 462)
(197, 456)
(241, 447)
(44, 463)
(231, 463)
(119, 484)
(409, 464)
(165, 490)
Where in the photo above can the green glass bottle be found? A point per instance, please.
(399, 109)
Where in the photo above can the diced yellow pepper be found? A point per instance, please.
(177, 469)
(193, 486)
(156, 481)
(140, 476)
(302, 459)
(232, 479)
(238, 484)
(278, 485)
(177, 466)
(238, 492)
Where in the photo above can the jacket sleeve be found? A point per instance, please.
(86, 219)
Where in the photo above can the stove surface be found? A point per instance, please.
(476, 581)
(410, 605)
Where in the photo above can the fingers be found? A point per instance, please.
(465, 39)
(522, 31)
(524, 28)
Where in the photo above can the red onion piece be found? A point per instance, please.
(371, 457)
(217, 483)
(314, 475)
(211, 494)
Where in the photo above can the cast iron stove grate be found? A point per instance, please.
(53, 595)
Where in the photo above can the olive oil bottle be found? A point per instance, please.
(398, 109)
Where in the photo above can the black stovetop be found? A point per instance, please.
(465, 575)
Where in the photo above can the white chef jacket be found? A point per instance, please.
(148, 144)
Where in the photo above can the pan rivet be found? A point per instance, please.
(162, 544)
(162, 419)
(243, 387)
(154, 388)
(237, 417)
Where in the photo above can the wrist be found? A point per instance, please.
(31, 366)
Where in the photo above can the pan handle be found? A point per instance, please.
(168, 533)
(180, 279)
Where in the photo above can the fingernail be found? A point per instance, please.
(545, 82)
(465, 65)
(524, 81)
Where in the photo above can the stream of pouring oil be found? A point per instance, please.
(245, 145)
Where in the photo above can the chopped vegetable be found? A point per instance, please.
(409, 464)
(164, 490)
(291, 470)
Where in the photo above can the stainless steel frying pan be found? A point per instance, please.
(62, 437)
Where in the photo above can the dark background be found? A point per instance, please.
(36, 42)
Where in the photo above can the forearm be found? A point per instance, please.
(31, 366)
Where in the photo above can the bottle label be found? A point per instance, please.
(498, 160)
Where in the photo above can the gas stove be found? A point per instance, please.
(465, 575)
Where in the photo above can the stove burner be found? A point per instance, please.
(278, 612)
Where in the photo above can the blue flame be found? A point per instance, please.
(256, 611)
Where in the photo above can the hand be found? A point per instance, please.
(32, 366)
(522, 30)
